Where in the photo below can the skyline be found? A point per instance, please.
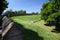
(28, 5)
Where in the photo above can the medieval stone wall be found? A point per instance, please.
(10, 31)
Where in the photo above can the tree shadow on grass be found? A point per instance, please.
(29, 34)
(57, 29)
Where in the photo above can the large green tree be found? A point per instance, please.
(51, 11)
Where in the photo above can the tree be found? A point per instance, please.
(45, 11)
(34, 13)
(51, 11)
(8, 13)
(20, 12)
(3, 6)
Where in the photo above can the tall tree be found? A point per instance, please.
(51, 11)
(3, 5)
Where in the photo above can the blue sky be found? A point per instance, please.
(28, 5)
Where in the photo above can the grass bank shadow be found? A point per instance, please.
(55, 31)
(29, 34)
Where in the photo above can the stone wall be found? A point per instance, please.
(10, 31)
(6, 25)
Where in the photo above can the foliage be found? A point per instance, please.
(10, 13)
(3, 5)
(21, 12)
(53, 16)
(33, 13)
(50, 9)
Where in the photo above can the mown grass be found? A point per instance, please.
(29, 17)
(26, 21)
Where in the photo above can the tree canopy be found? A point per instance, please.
(3, 5)
(51, 11)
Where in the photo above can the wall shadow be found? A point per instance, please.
(29, 34)
(26, 33)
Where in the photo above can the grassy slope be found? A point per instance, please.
(48, 28)
(28, 24)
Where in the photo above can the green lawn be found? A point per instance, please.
(34, 31)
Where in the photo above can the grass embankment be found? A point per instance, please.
(27, 22)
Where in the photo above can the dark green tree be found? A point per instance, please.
(51, 11)
(3, 5)
(21, 12)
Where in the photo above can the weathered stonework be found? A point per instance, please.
(10, 31)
